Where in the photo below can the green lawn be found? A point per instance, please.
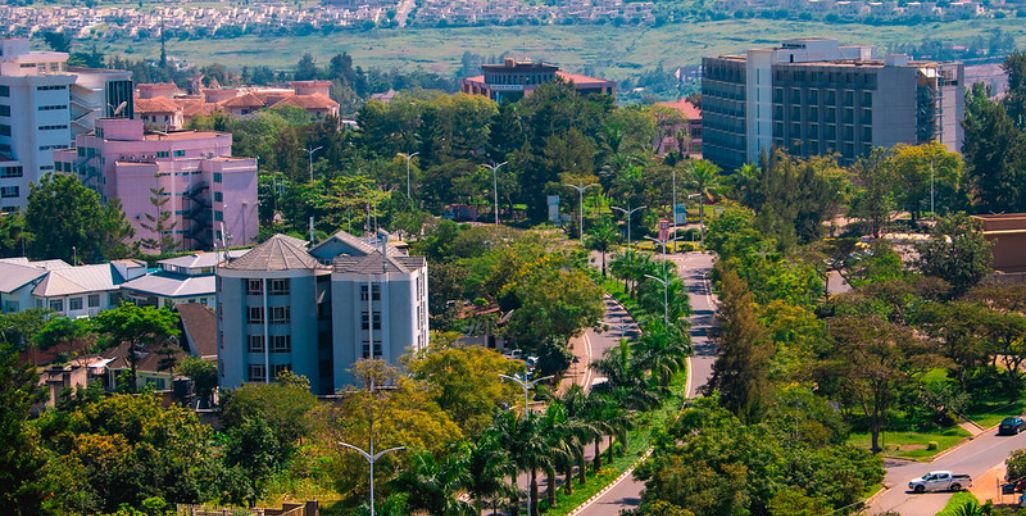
(612, 52)
(989, 414)
(913, 445)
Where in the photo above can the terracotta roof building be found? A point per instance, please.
(688, 132)
(512, 80)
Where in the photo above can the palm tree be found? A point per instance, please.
(489, 464)
(578, 407)
(534, 453)
(704, 177)
(507, 430)
(558, 432)
(601, 238)
(434, 485)
(662, 351)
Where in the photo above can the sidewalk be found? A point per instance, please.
(579, 372)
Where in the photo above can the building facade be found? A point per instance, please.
(211, 196)
(317, 311)
(813, 97)
(513, 80)
(43, 105)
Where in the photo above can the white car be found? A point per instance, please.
(940, 481)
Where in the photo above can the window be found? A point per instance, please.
(75, 303)
(57, 305)
(256, 343)
(51, 88)
(218, 215)
(279, 286)
(5, 91)
(53, 127)
(366, 349)
(377, 320)
(61, 107)
(281, 368)
(281, 343)
(280, 314)
(831, 97)
(867, 99)
(256, 314)
(93, 300)
(8, 192)
(179, 154)
(813, 97)
(375, 292)
(257, 373)
(217, 177)
(10, 306)
(5, 110)
(162, 154)
(255, 287)
(849, 98)
(218, 197)
(5, 130)
(11, 172)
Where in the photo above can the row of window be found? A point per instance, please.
(165, 154)
(5, 110)
(277, 287)
(9, 192)
(54, 107)
(258, 372)
(51, 147)
(53, 127)
(279, 314)
(11, 171)
(75, 303)
(279, 343)
(51, 88)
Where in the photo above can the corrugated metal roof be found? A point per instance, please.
(199, 259)
(78, 280)
(169, 285)
(14, 276)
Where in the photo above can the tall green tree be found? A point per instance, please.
(160, 224)
(741, 370)
(138, 327)
(20, 458)
(703, 177)
(957, 252)
(66, 221)
(601, 237)
(874, 200)
(994, 155)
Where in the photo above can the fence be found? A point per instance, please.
(310, 508)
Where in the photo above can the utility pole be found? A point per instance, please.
(580, 204)
(526, 385)
(371, 456)
(495, 187)
(933, 209)
(408, 157)
(627, 213)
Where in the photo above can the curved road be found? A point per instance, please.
(694, 268)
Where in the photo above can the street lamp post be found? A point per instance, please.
(663, 242)
(580, 203)
(627, 213)
(666, 297)
(408, 157)
(310, 152)
(933, 210)
(495, 187)
(371, 459)
(526, 385)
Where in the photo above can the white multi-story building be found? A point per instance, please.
(42, 104)
(34, 117)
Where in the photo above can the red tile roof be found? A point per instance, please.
(314, 101)
(583, 80)
(155, 105)
(247, 100)
(685, 107)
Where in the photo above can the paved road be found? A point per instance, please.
(975, 458)
(694, 268)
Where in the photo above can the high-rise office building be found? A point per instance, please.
(814, 96)
(317, 311)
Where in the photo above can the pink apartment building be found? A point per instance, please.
(212, 196)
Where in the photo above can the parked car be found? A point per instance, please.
(1011, 425)
(940, 481)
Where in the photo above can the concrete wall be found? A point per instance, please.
(894, 107)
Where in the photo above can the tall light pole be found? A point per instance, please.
(933, 210)
(309, 154)
(495, 187)
(666, 297)
(526, 385)
(627, 213)
(408, 157)
(673, 199)
(663, 243)
(371, 459)
(580, 204)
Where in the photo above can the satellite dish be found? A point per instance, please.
(121, 107)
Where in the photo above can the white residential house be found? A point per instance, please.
(85, 290)
(180, 280)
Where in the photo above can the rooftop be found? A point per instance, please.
(278, 253)
(78, 280)
(201, 259)
(199, 325)
(172, 285)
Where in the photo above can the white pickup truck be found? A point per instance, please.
(940, 481)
